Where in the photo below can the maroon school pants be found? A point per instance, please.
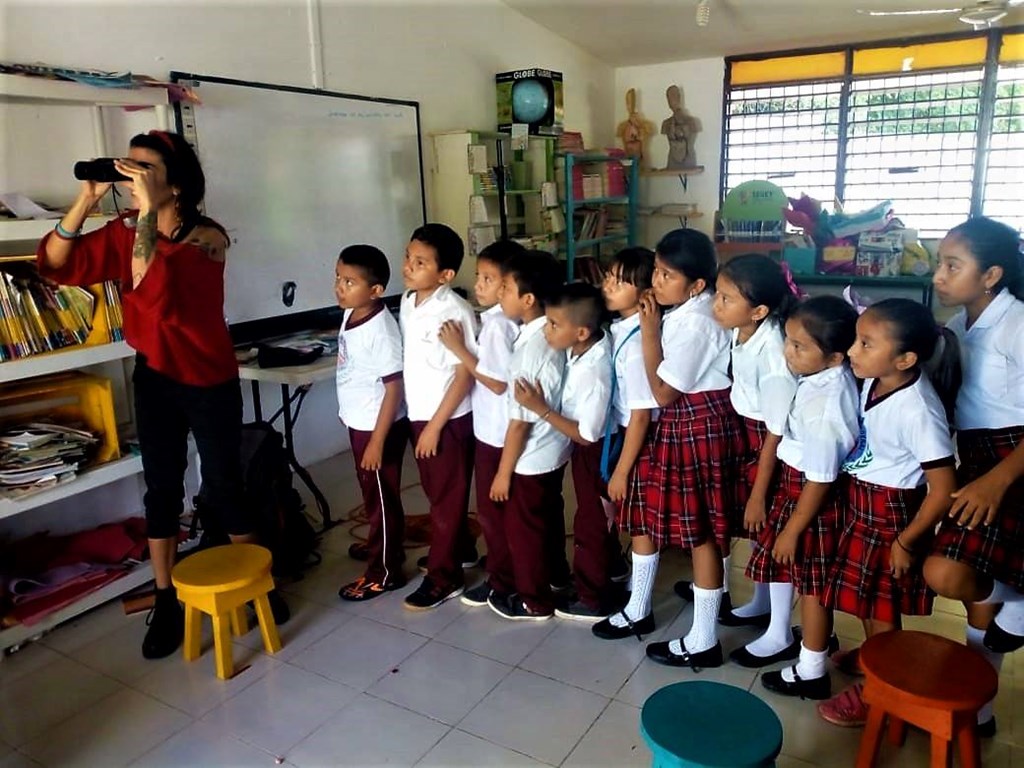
(445, 478)
(595, 543)
(534, 520)
(383, 501)
(491, 516)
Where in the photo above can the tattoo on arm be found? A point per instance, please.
(145, 247)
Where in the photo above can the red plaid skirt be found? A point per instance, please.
(996, 550)
(816, 551)
(861, 582)
(754, 433)
(682, 492)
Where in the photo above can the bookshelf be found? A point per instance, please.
(483, 205)
(37, 113)
(588, 217)
(682, 213)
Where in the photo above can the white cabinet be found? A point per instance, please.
(46, 126)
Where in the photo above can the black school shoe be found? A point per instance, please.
(998, 640)
(987, 730)
(514, 608)
(166, 626)
(660, 653)
(470, 559)
(577, 610)
(819, 688)
(477, 596)
(608, 631)
(745, 658)
(430, 595)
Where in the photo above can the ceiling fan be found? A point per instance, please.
(980, 14)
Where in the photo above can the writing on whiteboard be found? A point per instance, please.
(378, 115)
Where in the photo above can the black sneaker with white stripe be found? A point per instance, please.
(477, 596)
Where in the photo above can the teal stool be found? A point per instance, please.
(709, 725)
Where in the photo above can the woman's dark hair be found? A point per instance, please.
(183, 172)
(829, 320)
(692, 253)
(371, 260)
(634, 266)
(761, 281)
(912, 328)
(994, 244)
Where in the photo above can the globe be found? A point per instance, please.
(530, 101)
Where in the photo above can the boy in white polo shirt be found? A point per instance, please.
(574, 319)
(490, 410)
(529, 477)
(371, 405)
(440, 412)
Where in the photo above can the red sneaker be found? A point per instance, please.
(847, 709)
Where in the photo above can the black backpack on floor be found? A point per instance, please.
(267, 492)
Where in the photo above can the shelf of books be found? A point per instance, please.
(19, 230)
(85, 480)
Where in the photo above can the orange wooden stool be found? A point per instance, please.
(927, 681)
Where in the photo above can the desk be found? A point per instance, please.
(300, 377)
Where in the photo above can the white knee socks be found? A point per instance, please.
(975, 641)
(726, 561)
(645, 568)
(811, 665)
(759, 604)
(703, 632)
(779, 634)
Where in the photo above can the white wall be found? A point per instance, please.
(443, 55)
(701, 81)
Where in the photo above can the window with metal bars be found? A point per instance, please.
(911, 139)
(786, 133)
(1004, 177)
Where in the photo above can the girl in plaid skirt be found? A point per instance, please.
(978, 556)
(684, 494)
(798, 541)
(903, 476)
(752, 298)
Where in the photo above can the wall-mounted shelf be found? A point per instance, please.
(63, 360)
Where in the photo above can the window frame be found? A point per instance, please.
(990, 68)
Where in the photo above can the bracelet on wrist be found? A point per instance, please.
(63, 234)
(544, 416)
(903, 546)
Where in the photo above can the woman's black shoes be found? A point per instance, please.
(166, 626)
(660, 653)
(608, 631)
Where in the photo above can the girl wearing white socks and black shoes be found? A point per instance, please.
(680, 492)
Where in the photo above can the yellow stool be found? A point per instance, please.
(219, 581)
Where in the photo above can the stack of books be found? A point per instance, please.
(589, 270)
(38, 316)
(593, 225)
(37, 455)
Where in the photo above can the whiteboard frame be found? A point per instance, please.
(177, 76)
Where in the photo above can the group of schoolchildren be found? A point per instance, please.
(873, 459)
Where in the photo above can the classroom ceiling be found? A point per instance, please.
(630, 32)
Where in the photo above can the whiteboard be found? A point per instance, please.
(295, 175)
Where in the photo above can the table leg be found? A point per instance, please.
(257, 406)
(289, 446)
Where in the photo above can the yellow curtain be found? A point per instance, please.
(1012, 49)
(918, 58)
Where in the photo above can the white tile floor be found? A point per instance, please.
(369, 684)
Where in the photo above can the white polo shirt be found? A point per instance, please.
(992, 354)
(429, 366)
(902, 434)
(695, 348)
(632, 389)
(494, 355)
(369, 354)
(763, 387)
(588, 388)
(546, 448)
(822, 427)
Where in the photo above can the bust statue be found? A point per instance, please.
(635, 129)
(681, 130)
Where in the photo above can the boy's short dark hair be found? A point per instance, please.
(635, 266)
(445, 242)
(370, 260)
(536, 272)
(584, 303)
(500, 252)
